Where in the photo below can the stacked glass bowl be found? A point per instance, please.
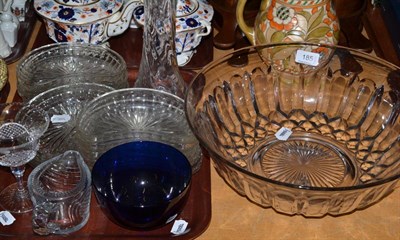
(58, 64)
(136, 114)
(64, 105)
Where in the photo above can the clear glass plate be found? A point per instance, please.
(64, 104)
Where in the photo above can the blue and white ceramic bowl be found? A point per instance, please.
(85, 21)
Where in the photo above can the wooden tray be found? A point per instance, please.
(24, 34)
(197, 213)
(4, 93)
(129, 46)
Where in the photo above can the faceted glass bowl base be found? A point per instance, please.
(343, 113)
(15, 201)
(306, 161)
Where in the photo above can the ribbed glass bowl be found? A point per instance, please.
(64, 105)
(58, 64)
(311, 138)
(136, 114)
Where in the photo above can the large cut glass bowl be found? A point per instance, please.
(302, 128)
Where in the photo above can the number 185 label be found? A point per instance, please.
(308, 58)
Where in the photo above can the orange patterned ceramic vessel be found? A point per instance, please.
(278, 21)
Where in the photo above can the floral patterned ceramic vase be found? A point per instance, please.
(278, 21)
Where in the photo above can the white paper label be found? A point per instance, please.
(179, 227)
(60, 118)
(308, 58)
(283, 134)
(6, 218)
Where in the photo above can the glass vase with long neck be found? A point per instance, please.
(158, 66)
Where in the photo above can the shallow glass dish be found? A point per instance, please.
(58, 64)
(64, 104)
(136, 114)
(302, 128)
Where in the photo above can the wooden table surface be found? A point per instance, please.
(234, 217)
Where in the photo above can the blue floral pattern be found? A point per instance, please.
(193, 18)
(138, 12)
(189, 14)
(66, 13)
(87, 33)
(191, 22)
(79, 14)
(59, 34)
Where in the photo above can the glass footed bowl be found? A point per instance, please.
(63, 104)
(58, 64)
(136, 114)
(302, 128)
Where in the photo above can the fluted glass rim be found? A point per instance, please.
(71, 44)
(116, 92)
(67, 87)
(255, 48)
(49, 46)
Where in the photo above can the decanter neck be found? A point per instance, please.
(158, 66)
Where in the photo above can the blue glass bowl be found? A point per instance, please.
(142, 184)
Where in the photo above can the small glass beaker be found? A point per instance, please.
(60, 189)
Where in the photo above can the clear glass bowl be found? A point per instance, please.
(64, 104)
(60, 190)
(302, 128)
(58, 64)
(136, 114)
